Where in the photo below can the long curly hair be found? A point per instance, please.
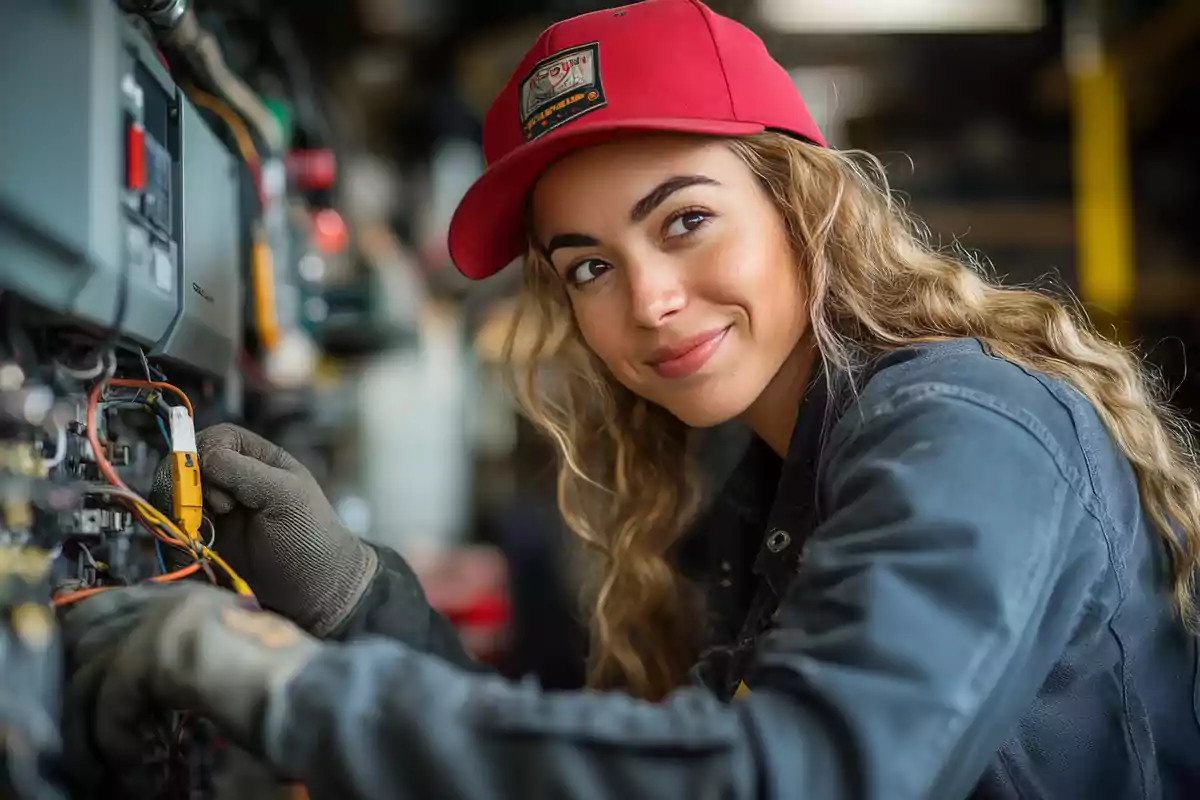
(626, 485)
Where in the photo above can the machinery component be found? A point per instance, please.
(119, 207)
(78, 450)
(187, 501)
(128, 235)
(180, 31)
(162, 14)
(30, 660)
(29, 648)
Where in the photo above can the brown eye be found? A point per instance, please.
(686, 223)
(586, 271)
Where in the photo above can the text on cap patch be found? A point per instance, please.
(560, 88)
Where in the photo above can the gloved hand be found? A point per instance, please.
(276, 528)
(134, 653)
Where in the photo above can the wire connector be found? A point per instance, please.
(187, 499)
(183, 432)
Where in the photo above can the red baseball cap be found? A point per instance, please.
(658, 65)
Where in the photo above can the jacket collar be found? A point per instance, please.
(793, 512)
(766, 498)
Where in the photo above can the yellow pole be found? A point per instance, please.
(1103, 213)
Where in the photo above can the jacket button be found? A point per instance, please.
(778, 540)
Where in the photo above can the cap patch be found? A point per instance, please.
(561, 88)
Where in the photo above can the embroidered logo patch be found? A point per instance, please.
(560, 88)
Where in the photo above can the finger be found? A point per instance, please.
(160, 489)
(218, 499)
(104, 614)
(81, 753)
(123, 705)
(249, 482)
(240, 440)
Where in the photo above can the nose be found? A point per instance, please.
(657, 291)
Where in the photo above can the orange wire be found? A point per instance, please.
(131, 383)
(110, 474)
(93, 437)
(83, 594)
(153, 529)
(106, 468)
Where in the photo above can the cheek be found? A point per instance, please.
(781, 295)
(600, 335)
(759, 274)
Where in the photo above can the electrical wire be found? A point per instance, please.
(199, 48)
(163, 528)
(171, 534)
(212, 531)
(88, 374)
(124, 290)
(262, 264)
(133, 383)
(60, 448)
(236, 124)
(239, 130)
(81, 594)
(156, 523)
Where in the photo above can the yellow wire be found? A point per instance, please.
(241, 133)
(191, 543)
(239, 585)
(154, 515)
(266, 314)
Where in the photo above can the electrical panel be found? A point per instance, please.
(118, 204)
(122, 262)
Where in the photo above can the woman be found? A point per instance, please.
(957, 561)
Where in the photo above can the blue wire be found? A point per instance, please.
(163, 429)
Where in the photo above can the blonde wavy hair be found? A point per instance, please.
(875, 283)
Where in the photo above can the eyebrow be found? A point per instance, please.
(641, 209)
(568, 240)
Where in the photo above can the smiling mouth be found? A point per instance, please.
(690, 356)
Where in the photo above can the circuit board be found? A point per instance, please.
(79, 447)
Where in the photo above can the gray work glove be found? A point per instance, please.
(134, 654)
(277, 530)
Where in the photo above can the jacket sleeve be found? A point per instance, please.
(932, 603)
(394, 607)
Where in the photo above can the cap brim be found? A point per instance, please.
(487, 229)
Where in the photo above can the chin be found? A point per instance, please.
(706, 411)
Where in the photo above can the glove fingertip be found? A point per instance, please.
(218, 500)
(222, 436)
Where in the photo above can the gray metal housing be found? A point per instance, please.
(65, 234)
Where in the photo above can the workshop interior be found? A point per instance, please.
(237, 210)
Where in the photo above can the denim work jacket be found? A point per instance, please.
(952, 591)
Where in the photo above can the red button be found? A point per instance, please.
(135, 157)
(311, 170)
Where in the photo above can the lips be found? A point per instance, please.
(687, 356)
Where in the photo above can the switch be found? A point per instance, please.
(135, 157)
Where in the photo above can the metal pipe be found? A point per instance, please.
(162, 14)
(179, 31)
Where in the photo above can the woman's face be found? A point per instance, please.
(678, 269)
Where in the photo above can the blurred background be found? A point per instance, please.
(1056, 138)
